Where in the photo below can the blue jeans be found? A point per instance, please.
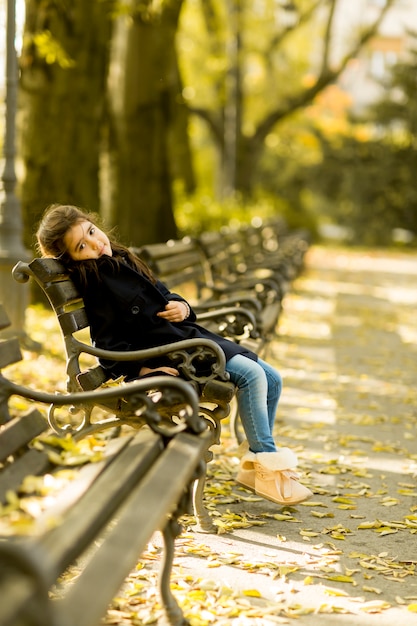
(259, 389)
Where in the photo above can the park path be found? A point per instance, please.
(347, 350)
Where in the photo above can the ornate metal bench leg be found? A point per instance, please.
(235, 424)
(204, 523)
(173, 613)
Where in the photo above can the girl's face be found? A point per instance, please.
(85, 241)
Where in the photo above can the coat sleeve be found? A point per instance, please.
(107, 307)
(122, 308)
(169, 295)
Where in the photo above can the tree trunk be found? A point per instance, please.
(143, 79)
(63, 79)
(180, 154)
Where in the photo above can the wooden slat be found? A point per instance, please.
(73, 321)
(34, 462)
(126, 539)
(4, 318)
(91, 512)
(20, 431)
(77, 488)
(62, 294)
(177, 264)
(9, 352)
(92, 378)
(47, 270)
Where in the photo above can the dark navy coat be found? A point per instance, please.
(122, 309)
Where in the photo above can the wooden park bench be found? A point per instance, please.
(235, 280)
(105, 515)
(269, 253)
(244, 311)
(84, 373)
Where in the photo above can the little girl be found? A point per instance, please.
(129, 309)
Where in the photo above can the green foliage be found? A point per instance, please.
(368, 188)
(49, 49)
(144, 10)
(202, 212)
(366, 180)
(397, 109)
(243, 66)
(241, 74)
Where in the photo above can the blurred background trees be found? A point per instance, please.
(175, 116)
(365, 176)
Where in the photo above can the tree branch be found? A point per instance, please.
(302, 19)
(326, 76)
(328, 38)
(215, 125)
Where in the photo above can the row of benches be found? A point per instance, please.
(122, 499)
(235, 279)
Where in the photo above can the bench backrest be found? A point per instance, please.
(10, 353)
(16, 433)
(196, 266)
(222, 252)
(62, 294)
(64, 298)
(180, 264)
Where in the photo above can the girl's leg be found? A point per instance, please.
(274, 391)
(259, 388)
(264, 469)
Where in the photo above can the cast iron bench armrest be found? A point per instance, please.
(199, 347)
(135, 393)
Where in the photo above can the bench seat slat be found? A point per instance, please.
(93, 510)
(105, 573)
(85, 477)
(34, 462)
(19, 432)
(10, 352)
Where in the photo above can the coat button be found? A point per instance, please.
(135, 310)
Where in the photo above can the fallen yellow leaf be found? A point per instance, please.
(372, 589)
(252, 593)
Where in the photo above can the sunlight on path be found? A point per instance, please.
(347, 351)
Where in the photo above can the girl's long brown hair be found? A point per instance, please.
(55, 223)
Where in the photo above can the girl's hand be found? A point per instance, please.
(175, 311)
(167, 370)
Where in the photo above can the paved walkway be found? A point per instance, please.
(347, 350)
